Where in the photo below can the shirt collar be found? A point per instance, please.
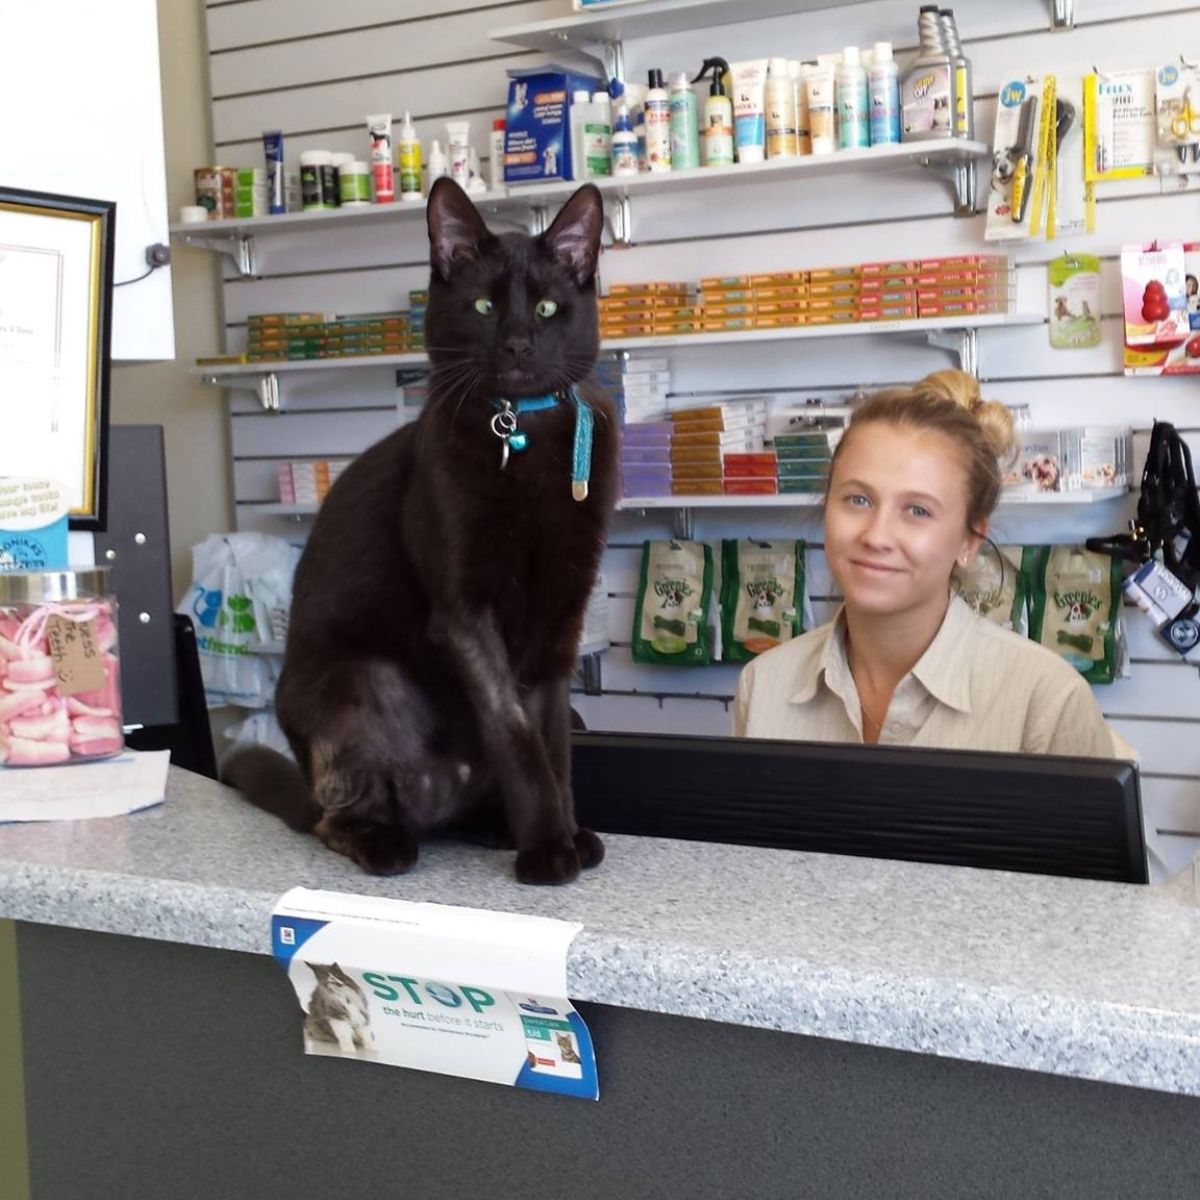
(940, 670)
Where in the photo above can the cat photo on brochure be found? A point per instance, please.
(439, 601)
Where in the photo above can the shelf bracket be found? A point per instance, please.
(612, 55)
(1062, 14)
(683, 524)
(539, 219)
(620, 217)
(962, 179)
(264, 386)
(962, 343)
(591, 674)
(238, 247)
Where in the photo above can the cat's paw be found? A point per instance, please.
(554, 862)
(383, 850)
(590, 849)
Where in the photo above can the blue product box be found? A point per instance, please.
(537, 130)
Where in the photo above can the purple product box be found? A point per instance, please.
(646, 456)
(644, 487)
(647, 431)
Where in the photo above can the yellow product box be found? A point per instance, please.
(836, 287)
(778, 278)
(217, 360)
(841, 316)
(649, 289)
(786, 321)
(698, 487)
(787, 291)
(905, 266)
(695, 460)
(729, 325)
(678, 312)
(742, 308)
(824, 304)
(674, 328)
(775, 308)
(833, 274)
(287, 319)
(629, 303)
(710, 296)
(724, 283)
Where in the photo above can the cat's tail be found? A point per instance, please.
(273, 783)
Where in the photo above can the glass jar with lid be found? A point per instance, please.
(60, 687)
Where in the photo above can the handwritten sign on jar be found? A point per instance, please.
(78, 666)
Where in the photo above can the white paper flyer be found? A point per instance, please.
(457, 991)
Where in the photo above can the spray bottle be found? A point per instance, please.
(927, 85)
(716, 142)
(964, 82)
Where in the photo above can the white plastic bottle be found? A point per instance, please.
(657, 111)
(496, 156)
(599, 136)
(581, 104)
(624, 145)
(437, 163)
(780, 103)
(852, 101)
(883, 88)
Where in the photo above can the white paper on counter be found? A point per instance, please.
(434, 987)
(109, 787)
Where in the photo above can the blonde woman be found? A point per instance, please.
(913, 484)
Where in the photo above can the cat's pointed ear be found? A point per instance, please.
(574, 237)
(457, 233)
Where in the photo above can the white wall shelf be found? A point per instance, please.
(960, 337)
(528, 204)
(815, 500)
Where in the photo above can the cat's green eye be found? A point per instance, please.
(483, 306)
(546, 308)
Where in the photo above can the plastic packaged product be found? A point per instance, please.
(819, 82)
(458, 140)
(716, 144)
(674, 602)
(624, 146)
(496, 156)
(853, 121)
(657, 112)
(379, 128)
(800, 99)
(354, 184)
(317, 180)
(273, 153)
(927, 85)
(1075, 601)
(749, 110)
(409, 156)
(995, 586)
(685, 124)
(780, 103)
(60, 694)
(762, 596)
(883, 91)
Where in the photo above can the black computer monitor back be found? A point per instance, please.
(1042, 814)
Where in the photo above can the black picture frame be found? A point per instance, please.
(92, 514)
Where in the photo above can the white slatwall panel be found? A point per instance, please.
(315, 70)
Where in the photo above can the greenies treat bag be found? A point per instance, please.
(670, 623)
(994, 586)
(1075, 599)
(762, 597)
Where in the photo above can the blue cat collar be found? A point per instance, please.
(581, 451)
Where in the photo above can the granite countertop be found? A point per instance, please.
(1095, 980)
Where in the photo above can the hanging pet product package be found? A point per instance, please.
(1075, 602)
(674, 603)
(762, 596)
(994, 586)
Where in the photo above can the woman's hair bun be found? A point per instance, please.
(995, 420)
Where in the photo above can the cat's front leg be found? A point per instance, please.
(515, 748)
(549, 705)
(344, 1032)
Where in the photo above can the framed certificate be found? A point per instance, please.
(56, 263)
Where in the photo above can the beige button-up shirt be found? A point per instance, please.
(977, 687)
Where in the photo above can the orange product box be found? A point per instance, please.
(772, 308)
(965, 262)
(960, 308)
(649, 289)
(698, 487)
(889, 283)
(833, 304)
(952, 279)
(751, 487)
(724, 283)
(783, 321)
(945, 295)
(841, 316)
(713, 312)
(681, 312)
(683, 472)
(620, 332)
(621, 304)
(787, 292)
(777, 278)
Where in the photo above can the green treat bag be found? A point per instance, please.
(995, 586)
(762, 601)
(1075, 596)
(674, 602)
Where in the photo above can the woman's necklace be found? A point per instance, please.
(866, 713)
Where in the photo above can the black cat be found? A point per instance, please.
(439, 601)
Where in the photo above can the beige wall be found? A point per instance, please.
(192, 417)
(191, 413)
